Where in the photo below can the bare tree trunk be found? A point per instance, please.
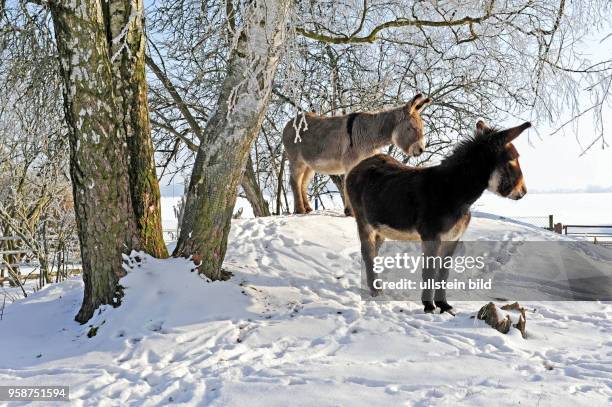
(253, 192)
(222, 156)
(98, 159)
(128, 61)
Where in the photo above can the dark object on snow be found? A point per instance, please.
(503, 321)
(92, 331)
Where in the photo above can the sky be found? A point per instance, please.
(554, 162)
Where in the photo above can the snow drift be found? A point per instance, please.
(290, 329)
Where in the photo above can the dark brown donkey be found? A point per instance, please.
(432, 204)
(334, 144)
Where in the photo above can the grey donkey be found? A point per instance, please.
(335, 144)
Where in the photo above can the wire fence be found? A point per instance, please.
(545, 222)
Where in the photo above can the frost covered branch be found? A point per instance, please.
(122, 37)
(396, 23)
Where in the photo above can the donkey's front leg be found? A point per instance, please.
(430, 249)
(368, 252)
(446, 249)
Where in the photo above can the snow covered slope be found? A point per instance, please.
(290, 329)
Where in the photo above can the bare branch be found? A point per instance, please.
(398, 22)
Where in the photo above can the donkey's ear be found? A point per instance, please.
(512, 133)
(422, 103)
(481, 127)
(414, 101)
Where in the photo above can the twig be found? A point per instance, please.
(2, 310)
(15, 277)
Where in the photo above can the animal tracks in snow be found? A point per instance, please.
(290, 324)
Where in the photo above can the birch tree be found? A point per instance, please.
(171, 129)
(127, 49)
(116, 195)
(221, 158)
(98, 159)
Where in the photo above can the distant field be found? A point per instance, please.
(567, 208)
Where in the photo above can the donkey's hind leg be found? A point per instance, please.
(308, 174)
(297, 169)
(446, 249)
(369, 250)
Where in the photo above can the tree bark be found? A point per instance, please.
(98, 159)
(253, 192)
(221, 157)
(127, 50)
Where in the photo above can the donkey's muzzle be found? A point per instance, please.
(518, 193)
(417, 148)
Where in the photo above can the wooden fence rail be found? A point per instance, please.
(64, 258)
(601, 234)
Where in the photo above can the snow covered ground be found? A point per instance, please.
(290, 329)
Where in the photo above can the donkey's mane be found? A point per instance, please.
(471, 145)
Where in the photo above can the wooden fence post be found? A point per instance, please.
(551, 223)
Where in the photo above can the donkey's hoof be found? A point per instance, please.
(307, 209)
(348, 212)
(429, 307)
(445, 307)
(375, 292)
